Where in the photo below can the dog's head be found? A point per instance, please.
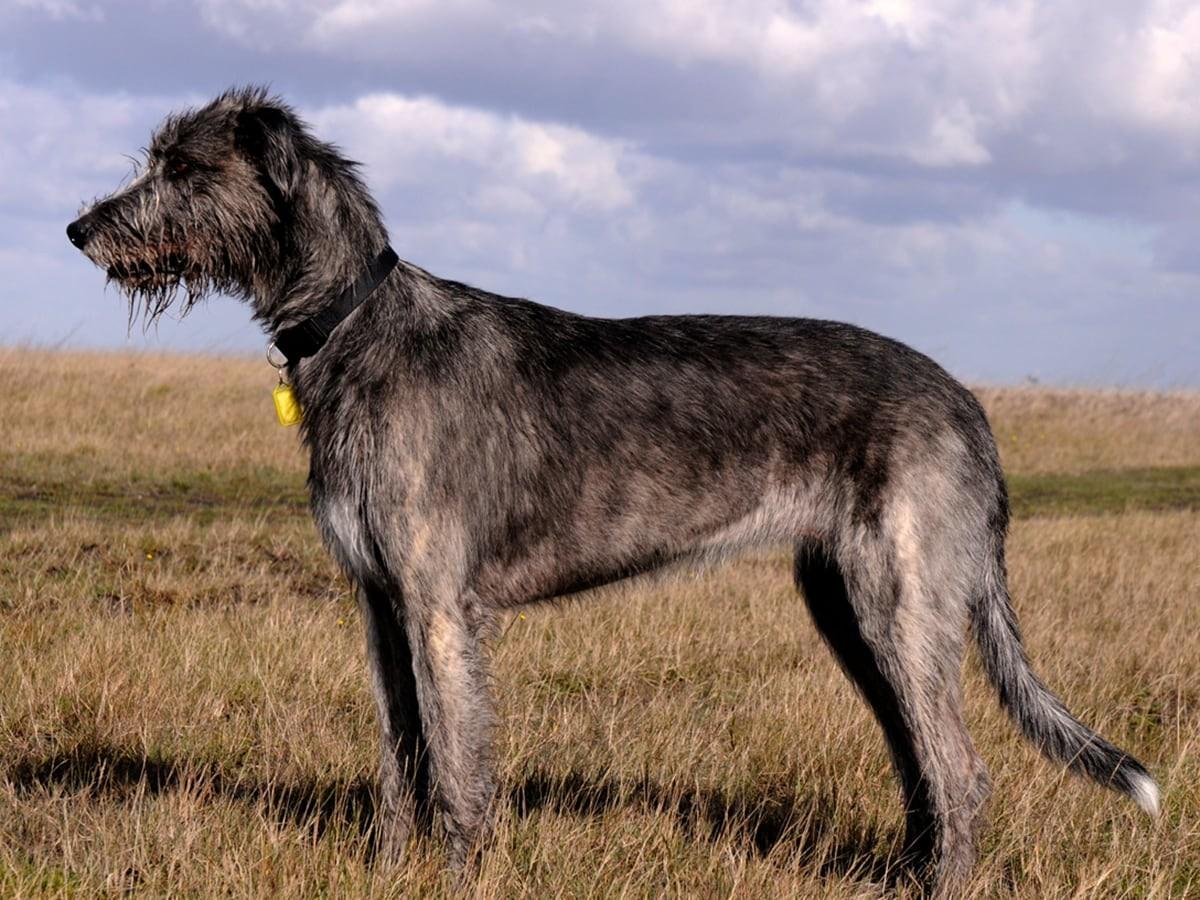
(209, 207)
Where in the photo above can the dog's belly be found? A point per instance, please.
(598, 544)
(544, 576)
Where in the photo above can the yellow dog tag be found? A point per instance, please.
(287, 407)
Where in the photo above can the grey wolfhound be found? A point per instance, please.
(471, 453)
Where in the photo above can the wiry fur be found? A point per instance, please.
(471, 453)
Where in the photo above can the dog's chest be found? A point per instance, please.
(341, 520)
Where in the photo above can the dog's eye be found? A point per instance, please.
(177, 168)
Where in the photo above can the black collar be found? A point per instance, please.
(307, 337)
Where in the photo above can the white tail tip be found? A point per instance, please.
(1144, 792)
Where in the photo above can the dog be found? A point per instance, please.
(471, 453)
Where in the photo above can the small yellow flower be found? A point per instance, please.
(341, 621)
(149, 556)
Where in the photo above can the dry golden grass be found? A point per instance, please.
(124, 414)
(1067, 431)
(184, 707)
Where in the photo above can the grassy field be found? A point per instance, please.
(183, 701)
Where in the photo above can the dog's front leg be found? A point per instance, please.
(403, 761)
(457, 716)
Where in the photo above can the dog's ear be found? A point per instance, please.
(267, 136)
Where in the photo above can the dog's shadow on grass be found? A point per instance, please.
(771, 818)
(113, 771)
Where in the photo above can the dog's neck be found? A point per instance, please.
(315, 268)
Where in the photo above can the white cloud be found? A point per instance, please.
(953, 140)
(941, 83)
(345, 18)
(1158, 76)
(510, 160)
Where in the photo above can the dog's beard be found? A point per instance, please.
(151, 293)
(165, 279)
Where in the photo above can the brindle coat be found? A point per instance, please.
(471, 453)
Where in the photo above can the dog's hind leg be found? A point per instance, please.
(403, 761)
(906, 664)
(824, 589)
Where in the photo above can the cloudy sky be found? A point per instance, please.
(1010, 186)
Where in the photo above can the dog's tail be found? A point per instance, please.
(1041, 716)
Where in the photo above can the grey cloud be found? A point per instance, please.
(903, 174)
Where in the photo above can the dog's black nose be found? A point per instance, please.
(77, 233)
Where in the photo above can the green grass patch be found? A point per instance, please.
(1098, 493)
(24, 877)
(32, 493)
(35, 489)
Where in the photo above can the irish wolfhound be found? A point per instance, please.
(471, 453)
